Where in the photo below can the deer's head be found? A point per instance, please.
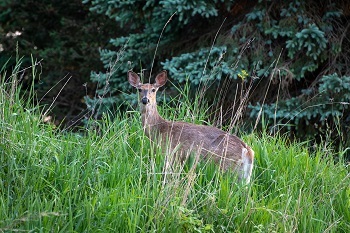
(147, 91)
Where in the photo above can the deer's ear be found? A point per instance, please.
(133, 79)
(161, 78)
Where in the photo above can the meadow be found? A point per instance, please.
(109, 178)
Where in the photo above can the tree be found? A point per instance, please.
(65, 37)
(287, 50)
(179, 26)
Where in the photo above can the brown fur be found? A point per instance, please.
(227, 150)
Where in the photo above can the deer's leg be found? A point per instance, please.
(168, 163)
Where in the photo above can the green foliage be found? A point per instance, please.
(110, 180)
(64, 38)
(146, 21)
(314, 110)
(309, 43)
(190, 66)
(204, 43)
(211, 44)
(313, 40)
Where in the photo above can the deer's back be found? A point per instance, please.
(209, 140)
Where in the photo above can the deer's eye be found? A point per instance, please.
(153, 90)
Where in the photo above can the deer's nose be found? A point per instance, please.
(145, 100)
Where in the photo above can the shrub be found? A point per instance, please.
(282, 48)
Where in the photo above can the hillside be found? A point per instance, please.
(109, 179)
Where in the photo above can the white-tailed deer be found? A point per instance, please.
(227, 150)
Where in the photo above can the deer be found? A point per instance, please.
(225, 149)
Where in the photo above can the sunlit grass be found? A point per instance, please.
(110, 180)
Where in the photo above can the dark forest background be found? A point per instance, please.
(283, 64)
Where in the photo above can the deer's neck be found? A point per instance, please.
(151, 120)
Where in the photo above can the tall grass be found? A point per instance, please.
(111, 180)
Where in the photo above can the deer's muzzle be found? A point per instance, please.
(145, 100)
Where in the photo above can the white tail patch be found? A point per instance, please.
(183, 138)
(247, 165)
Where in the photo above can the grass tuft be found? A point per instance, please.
(111, 180)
